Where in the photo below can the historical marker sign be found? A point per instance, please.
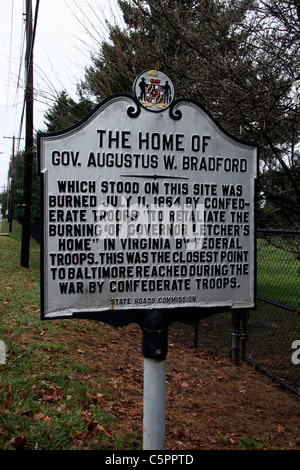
(145, 209)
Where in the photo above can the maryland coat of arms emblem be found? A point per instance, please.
(154, 90)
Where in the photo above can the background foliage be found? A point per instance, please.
(239, 58)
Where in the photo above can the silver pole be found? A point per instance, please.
(155, 349)
(154, 404)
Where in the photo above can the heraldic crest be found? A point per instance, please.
(154, 90)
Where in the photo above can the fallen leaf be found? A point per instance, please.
(19, 442)
(62, 408)
(280, 428)
(47, 420)
(223, 378)
(102, 429)
(184, 384)
(84, 378)
(85, 414)
(92, 425)
(22, 412)
(38, 416)
(52, 395)
(233, 441)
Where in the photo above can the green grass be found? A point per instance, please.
(48, 394)
(278, 276)
(254, 443)
(245, 443)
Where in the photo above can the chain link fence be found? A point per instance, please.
(278, 268)
(273, 328)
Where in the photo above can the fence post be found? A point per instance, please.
(235, 336)
(196, 334)
(244, 334)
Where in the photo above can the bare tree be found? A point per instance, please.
(238, 58)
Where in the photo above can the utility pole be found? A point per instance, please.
(11, 194)
(28, 156)
(11, 186)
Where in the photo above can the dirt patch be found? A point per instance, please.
(210, 402)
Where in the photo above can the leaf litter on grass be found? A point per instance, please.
(78, 384)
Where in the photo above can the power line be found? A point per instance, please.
(22, 45)
(29, 65)
(28, 154)
(10, 49)
(11, 186)
(21, 61)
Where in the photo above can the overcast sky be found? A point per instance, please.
(67, 31)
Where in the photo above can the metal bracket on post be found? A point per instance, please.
(155, 336)
(155, 349)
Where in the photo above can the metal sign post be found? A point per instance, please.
(155, 345)
(154, 404)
